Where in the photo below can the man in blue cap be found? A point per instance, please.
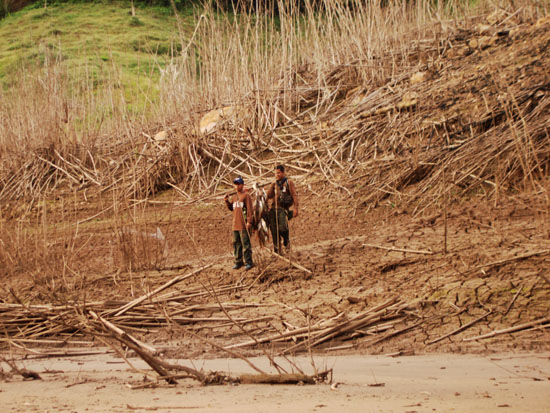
(241, 205)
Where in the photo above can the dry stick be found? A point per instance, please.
(60, 169)
(170, 283)
(138, 347)
(300, 267)
(81, 168)
(445, 212)
(288, 378)
(458, 330)
(395, 333)
(240, 327)
(121, 332)
(399, 249)
(509, 330)
(11, 343)
(211, 343)
(179, 191)
(246, 321)
(279, 336)
(343, 328)
(259, 276)
(31, 341)
(27, 374)
(94, 216)
(513, 301)
(148, 358)
(37, 355)
(118, 350)
(507, 260)
(370, 316)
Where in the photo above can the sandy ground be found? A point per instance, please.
(462, 383)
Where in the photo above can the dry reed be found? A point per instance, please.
(326, 91)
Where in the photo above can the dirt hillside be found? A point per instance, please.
(424, 218)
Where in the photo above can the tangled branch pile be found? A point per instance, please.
(465, 109)
(468, 109)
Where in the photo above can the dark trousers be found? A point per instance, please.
(242, 247)
(278, 224)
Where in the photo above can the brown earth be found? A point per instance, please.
(471, 251)
(469, 214)
(482, 271)
(448, 290)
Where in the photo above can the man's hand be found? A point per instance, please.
(226, 197)
(248, 226)
(295, 214)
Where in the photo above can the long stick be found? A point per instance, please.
(141, 349)
(509, 330)
(445, 212)
(399, 249)
(507, 260)
(170, 283)
(513, 301)
(121, 332)
(458, 330)
(295, 264)
(326, 327)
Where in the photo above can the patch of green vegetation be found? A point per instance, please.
(86, 36)
(135, 22)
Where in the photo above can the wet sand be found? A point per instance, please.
(461, 383)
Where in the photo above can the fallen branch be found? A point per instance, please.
(163, 287)
(290, 378)
(323, 329)
(507, 260)
(509, 330)
(131, 343)
(399, 249)
(120, 332)
(232, 353)
(295, 264)
(395, 333)
(458, 330)
(26, 374)
(513, 301)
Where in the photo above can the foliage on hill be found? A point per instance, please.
(92, 44)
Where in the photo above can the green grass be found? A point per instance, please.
(92, 39)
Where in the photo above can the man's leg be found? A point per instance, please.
(286, 238)
(247, 248)
(237, 249)
(283, 228)
(274, 228)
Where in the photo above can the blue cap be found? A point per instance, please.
(238, 181)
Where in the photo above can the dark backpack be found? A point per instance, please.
(285, 197)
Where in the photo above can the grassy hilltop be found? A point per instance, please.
(92, 42)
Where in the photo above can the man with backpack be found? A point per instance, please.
(283, 194)
(241, 205)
